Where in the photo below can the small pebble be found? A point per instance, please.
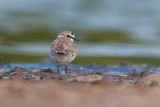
(81, 68)
(5, 78)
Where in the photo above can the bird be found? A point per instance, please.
(63, 50)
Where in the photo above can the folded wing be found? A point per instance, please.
(62, 46)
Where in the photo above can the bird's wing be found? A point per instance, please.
(62, 46)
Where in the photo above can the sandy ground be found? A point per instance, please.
(22, 88)
(74, 94)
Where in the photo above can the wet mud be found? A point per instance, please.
(37, 74)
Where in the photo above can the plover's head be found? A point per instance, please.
(68, 34)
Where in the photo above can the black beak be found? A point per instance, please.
(75, 39)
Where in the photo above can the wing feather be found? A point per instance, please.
(62, 46)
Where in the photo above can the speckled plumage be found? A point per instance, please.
(63, 49)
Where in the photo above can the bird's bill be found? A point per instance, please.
(74, 39)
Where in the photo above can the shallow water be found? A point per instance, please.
(114, 70)
(86, 49)
(28, 27)
(137, 17)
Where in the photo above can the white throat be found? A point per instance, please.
(60, 36)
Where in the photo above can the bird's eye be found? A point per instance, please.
(68, 35)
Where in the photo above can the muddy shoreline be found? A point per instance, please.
(37, 74)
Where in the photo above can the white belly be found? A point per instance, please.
(62, 59)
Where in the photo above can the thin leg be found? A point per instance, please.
(66, 69)
(57, 68)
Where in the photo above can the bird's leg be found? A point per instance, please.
(57, 68)
(66, 69)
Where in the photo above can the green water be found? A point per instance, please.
(106, 22)
(8, 58)
(84, 35)
(89, 36)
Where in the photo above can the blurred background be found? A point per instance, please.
(109, 31)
